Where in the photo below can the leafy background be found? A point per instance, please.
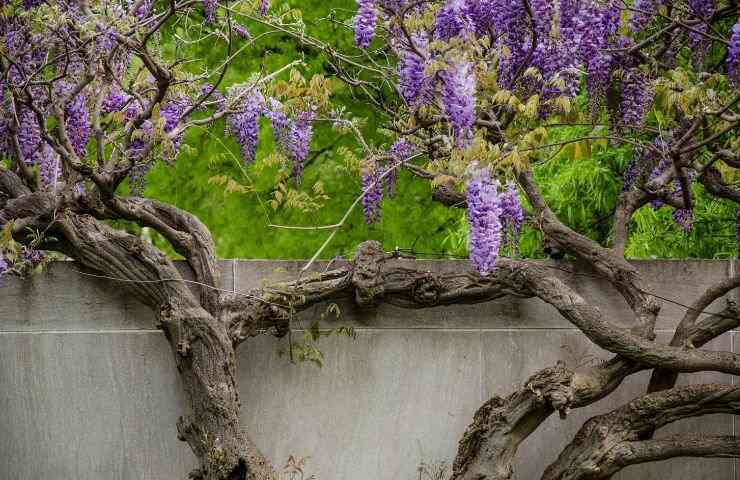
(582, 182)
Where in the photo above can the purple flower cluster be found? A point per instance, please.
(241, 31)
(365, 22)
(209, 10)
(144, 9)
(299, 142)
(49, 167)
(279, 121)
(372, 193)
(115, 100)
(453, 20)
(636, 98)
(104, 38)
(78, 124)
(458, 96)
(245, 126)
(29, 136)
(484, 215)
(512, 216)
(414, 84)
(642, 14)
(684, 218)
(172, 113)
(630, 174)
(263, 7)
(733, 55)
(401, 150)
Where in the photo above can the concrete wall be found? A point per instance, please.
(88, 388)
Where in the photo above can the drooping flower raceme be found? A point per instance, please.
(411, 71)
(452, 20)
(209, 10)
(637, 97)
(372, 193)
(733, 55)
(365, 21)
(684, 218)
(458, 96)
(401, 150)
(78, 124)
(512, 215)
(49, 168)
(643, 12)
(279, 121)
(245, 126)
(484, 215)
(299, 142)
(264, 6)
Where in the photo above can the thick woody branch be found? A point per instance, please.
(490, 444)
(633, 453)
(185, 232)
(609, 263)
(685, 335)
(592, 455)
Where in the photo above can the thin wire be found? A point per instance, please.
(163, 280)
(440, 255)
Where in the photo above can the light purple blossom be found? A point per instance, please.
(684, 218)
(78, 124)
(636, 98)
(279, 120)
(512, 215)
(414, 84)
(733, 55)
(245, 126)
(401, 150)
(484, 214)
(49, 167)
(264, 6)
(365, 22)
(458, 96)
(373, 193)
(452, 20)
(299, 142)
(209, 10)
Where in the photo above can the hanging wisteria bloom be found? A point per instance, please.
(78, 124)
(684, 218)
(115, 100)
(643, 12)
(630, 174)
(512, 216)
(413, 80)
(636, 98)
(209, 10)
(458, 97)
(372, 193)
(299, 142)
(29, 136)
(733, 55)
(242, 31)
(264, 6)
(279, 121)
(452, 20)
(245, 126)
(484, 215)
(49, 168)
(400, 151)
(365, 22)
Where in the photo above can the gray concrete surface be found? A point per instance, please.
(88, 388)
